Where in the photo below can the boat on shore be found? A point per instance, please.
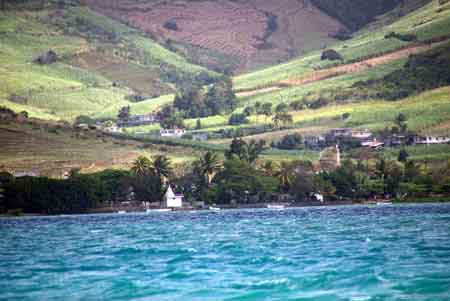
(212, 208)
(276, 207)
(384, 203)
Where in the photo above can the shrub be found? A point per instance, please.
(342, 35)
(292, 141)
(236, 119)
(47, 58)
(135, 98)
(83, 119)
(297, 105)
(402, 37)
(18, 98)
(331, 55)
(171, 25)
(346, 115)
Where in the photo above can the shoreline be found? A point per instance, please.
(283, 206)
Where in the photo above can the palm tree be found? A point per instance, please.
(284, 175)
(270, 168)
(282, 119)
(210, 165)
(141, 166)
(162, 166)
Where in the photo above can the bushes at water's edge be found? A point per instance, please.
(240, 179)
(75, 194)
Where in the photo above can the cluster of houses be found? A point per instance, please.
(365, 138)
(138, 120)
(175, 133)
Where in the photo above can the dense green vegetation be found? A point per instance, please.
(421, 72)
(76, 64)
(194, 102)
(238, 180)
(431, 20)
(355, 14)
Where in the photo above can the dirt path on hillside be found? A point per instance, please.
(346, 68)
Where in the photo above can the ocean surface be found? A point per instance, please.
(399, 252)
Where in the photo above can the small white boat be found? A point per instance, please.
(212, 208)
(383, 203)
(121, 212)
(277, 207)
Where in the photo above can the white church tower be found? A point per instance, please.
(172, 200)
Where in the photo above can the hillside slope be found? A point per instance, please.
(112, 54)
(100, 63)
(229, 35)
(357, 13)
(428, 22)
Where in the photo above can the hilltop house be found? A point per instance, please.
(200, 136)
(361, 134)
(137, 120)
(172, 200)
(340, 133)
(112, 128)
(348, 134)
(374, 144)
(176, 133)
(21, 174)
(315, 142)
(426, 140)
(396, 140)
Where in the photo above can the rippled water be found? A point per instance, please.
(333, 253)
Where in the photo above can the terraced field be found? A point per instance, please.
(92, 75)
(54, 152)
(427, 114)
(258, 33)
(359, 66)
(431, 21)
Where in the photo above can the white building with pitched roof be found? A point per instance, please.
(172, 200)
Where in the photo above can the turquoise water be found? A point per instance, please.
(333, 253)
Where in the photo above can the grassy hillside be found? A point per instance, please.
(104, 64)
(78, 83)
(55, 151)
(356, 14)
(229, 35)
(427, 113)
(432, 20)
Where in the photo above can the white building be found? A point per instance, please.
(172, 200)
(200, 136)
(21, 174)
(431, 140)
(318, 197)
(178, 133)
(373, 144)
(361, 134)
(113, 128)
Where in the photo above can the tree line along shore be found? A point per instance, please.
(235, 179)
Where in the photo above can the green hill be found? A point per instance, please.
(430, 21)
(101, 64)
(107, 58)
